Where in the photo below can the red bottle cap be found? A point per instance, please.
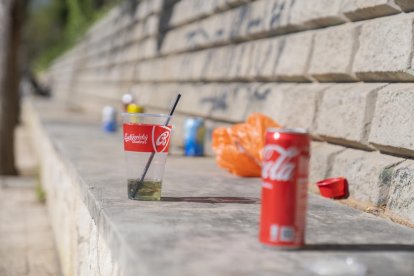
(336, 188)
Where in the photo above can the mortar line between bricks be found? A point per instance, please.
(331, 160)
(217, 81)
(292, 3)
(355, 49)
(318, 103)
(411, 56)
(235, 80)
(309, 59)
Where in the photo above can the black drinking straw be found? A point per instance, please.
(136, 186)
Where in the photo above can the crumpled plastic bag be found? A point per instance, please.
(239, 148)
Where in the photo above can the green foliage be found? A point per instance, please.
(53, 26)
(40, 192)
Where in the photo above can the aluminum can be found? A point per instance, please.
(194, 133)
(284, 188)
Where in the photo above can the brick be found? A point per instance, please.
(240, 66)
(322, 155)
(268, 99)
(226, 102)
(264, 56)
(385, 50)
(277, 19)
(292, 62)
(145, 94)
(155, 6)
(220, 64)
(233, 102)
(345, 113)
(187, 10)
(238, 22)
(361, 9)
(220, 27)
(401, 194)
(299, 105)
(255, 21)
(368, 174)
(392, 127)
(198, 61)
(198, 99)
(215, 29)
(333, 52)
(405, 5)
(151, 25)
(316, 13)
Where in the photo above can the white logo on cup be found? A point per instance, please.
(136, 139)
(162, 139)
(282, 168)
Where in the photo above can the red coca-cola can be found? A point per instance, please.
(284, 188)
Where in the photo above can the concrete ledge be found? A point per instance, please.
(205, 225)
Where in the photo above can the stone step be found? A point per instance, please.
(26, 240)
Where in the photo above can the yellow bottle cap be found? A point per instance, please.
(134, 108)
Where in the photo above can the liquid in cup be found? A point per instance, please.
(144, 135)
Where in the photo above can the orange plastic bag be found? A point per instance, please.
(239, 148)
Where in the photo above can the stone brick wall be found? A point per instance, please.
(336, 67)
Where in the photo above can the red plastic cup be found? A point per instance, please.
(336, 188)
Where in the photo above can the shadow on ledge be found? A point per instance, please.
(359, 247)
(213, 200)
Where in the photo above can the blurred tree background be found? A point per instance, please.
(54, 26)
(33, 33)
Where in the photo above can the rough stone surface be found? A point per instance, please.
(392, 128)
(385, 50)
(241, 63)
(226, 102)
(291, 105)
(401, 198)
(333, 53)
(316, 13)
(279, 16)
(189, 10)
(362, 9)
(346, 111)
(322, 156)
(219, 66)
(255, 22)
(266, 98)
(294, 58)
(200, 227)
(265, 56)
(368, 174)
(299, 105)
(405, 5)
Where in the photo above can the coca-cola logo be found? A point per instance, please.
(281, 167)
